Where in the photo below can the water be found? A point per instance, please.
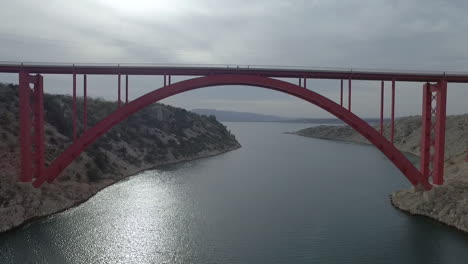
(279, 199)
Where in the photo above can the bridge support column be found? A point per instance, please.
(25, 127)
(27, 142)
(341, 93)
(126, 89)
(118, 92)
(433, 131)
(74, 119)
(85, 99)
(382, 108)
(349, 94)
(392, 126)
(39, 138)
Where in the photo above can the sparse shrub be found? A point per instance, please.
(93, 174)
(48, 132)
(123, 150)
(142, 131)
(4, 120)
(11, 147)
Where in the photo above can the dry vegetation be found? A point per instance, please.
(158, 134)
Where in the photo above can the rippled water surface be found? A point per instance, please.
(279, 199)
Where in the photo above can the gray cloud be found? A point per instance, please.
(377, 34)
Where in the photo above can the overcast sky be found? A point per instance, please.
(374, 34)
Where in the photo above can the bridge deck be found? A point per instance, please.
(267, 71)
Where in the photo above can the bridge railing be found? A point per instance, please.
(243, 67)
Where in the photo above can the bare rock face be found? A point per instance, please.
(156, 135)
(407, 134)
(448, 203)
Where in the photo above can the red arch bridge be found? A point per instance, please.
(31, 109)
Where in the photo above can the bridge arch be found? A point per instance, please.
(88, 137)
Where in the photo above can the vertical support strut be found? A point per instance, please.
(29, 143)
(439, 144)
(426, 130)
(300, 82)
(433, 131)
(349, 94)
(39, 127)
(169, 77)
(341, 93)
(74, 106)
(392, 126)
(85, 99)
(118, 93)
(126, 89)
(25, 127)
(381, 108)
(165, 82)
(305, 82)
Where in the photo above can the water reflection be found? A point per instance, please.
(281, 198)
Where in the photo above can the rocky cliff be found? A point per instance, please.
(158, 134)
(447, 203)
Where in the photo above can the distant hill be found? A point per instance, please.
(233, 116)
(314, 121)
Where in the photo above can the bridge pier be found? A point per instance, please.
(433, 131)
(27, 142)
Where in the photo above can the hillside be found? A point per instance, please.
(447, 203)
(233, 116)
(158, 134)
(407, 134)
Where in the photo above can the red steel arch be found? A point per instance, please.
(387, 148)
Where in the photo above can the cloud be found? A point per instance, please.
(377, 34)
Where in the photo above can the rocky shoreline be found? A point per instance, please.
(448, 203)
(154, 136)
(102, 186)
(397, 203)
